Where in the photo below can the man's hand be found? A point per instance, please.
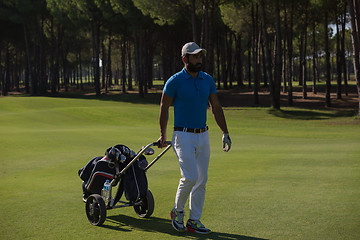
(226, 142)
(162, 142)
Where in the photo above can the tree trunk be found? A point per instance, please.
(1, 73)
(205, 30)
(314, 90)
(249, 62)
(265, 77)
(138, 61)
(130, 86)
(56, 79)
(17, 72)
(338, 60)
(284, 66)
(211, 38)
(108, 69)
(52, 57)
(149, 60)
(193, 20)
(257, 70)
(165, 59)
(354, 8)
(42, 62)
(80, 71)
(229, 44)
(123, 64)
(301, 56)
(278, 61)
(256, 52)
(34, 72)
(290, 55)
(239, 63)
(343, 58)
(6, 79)
(103, 66)
(268, 62)
(224, 65)
(303, 62)
(65, 72)
(96, 53)
(327, 56)
(218, 53)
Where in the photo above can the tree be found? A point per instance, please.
(10, 43)
(338, 60)
(303, 47)
(46, 44)
(354, 9)
(59, 20)
(170, 13)
(141, 28)
(343, 51)
(276, 85)
(315, 7)
(327, 60)
(31, 15)
(267, 59)
(90, 14)
(247, 24)
(289, 33)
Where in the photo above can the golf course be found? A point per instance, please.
(292, 173)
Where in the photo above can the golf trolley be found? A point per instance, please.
(96, 204)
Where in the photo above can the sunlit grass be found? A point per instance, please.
(291, 174)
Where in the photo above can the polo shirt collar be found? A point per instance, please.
(187, 75)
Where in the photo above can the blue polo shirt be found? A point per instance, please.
(190, 98)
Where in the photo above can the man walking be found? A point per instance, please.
(190, 90)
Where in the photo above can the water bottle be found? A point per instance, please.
(105, 193)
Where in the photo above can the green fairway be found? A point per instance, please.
(291, 174)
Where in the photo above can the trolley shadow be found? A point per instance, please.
(124, 223)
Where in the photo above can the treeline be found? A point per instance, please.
(49, 45)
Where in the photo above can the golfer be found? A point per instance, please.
(190, 90)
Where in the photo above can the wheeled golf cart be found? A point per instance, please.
(123, 168)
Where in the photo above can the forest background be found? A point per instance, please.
(277, 48)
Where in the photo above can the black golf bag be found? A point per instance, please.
(99, 169)
(94, 174)
(135, 182)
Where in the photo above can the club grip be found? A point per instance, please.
(156, 144)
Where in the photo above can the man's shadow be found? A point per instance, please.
(125, 223)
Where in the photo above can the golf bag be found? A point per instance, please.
(99, 169)
(135, 181)
(94, 174)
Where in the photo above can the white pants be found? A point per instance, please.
(193, 152)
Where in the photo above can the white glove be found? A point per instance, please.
(226, 142)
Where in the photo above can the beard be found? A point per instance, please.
(194, 68)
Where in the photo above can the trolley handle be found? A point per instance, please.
(156, 144)
(168, 143)
(142, 151)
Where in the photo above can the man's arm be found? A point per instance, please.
(218, 112)
(166, 101)
(220, 120)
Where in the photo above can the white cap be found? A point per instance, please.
(191, 48)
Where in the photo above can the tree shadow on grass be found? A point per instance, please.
(125, 223)
(149, 98)
(311, 114)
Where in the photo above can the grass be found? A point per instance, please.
(291, 174)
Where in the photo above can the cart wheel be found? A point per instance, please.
(146, 208)
(95, 210)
